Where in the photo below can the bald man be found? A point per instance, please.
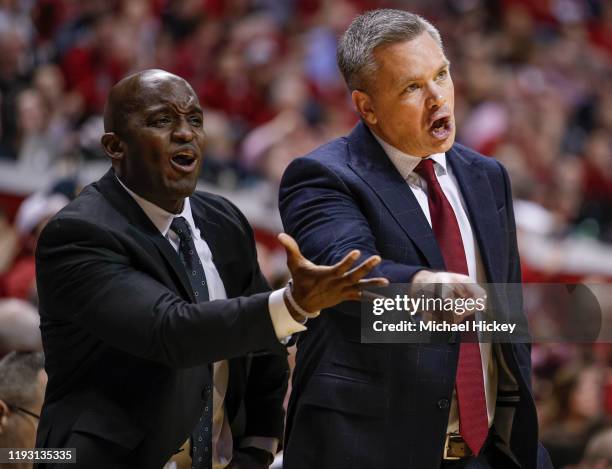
(157, 324)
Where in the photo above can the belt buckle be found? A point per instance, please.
(455, 448)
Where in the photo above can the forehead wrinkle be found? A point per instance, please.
(186, 108)
(170, 94)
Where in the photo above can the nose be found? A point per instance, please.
(435, 98)
(182, 131)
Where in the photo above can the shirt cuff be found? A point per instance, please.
(267, 443)
(284, 325)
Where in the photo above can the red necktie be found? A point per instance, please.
(473, 420)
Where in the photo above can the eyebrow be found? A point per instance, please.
(165, 106)
(408, 79)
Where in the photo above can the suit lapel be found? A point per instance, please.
(212, 232)
(125, 204)
(174, 261)
(369, 161)
(482, 211)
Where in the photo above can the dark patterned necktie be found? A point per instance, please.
(473, 420)
(201, 437)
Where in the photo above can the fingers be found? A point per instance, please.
(359, 292)
(476, 291)
(424, 276)
(354, 293)
(460, 290)
(468, 290)
(454, 285)
(293, 251)
(373, 282)
(362, 269)
(345, 264)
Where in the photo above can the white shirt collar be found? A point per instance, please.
(160, 217)
(406, 163)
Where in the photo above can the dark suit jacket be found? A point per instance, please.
(126, 345)
(387, 405)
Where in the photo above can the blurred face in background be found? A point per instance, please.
(50, 83)
(410, 99)
(586, 399)
(31, 115)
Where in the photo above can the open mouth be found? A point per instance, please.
(441, 128)
(184, 161)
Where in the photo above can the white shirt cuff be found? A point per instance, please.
(266, 443)
(284, 325)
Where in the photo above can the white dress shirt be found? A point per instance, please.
(405, 165)
(284, 326)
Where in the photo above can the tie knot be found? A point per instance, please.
(426, 170)
(180, 226)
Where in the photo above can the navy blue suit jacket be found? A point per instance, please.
(387, 405)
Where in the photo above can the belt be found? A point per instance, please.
(455, 448)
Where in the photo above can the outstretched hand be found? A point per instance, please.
(316, 287)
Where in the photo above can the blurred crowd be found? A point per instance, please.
(533, 82)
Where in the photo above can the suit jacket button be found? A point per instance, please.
(443, 404)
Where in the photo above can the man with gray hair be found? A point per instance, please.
(398, 186)
(22, 388)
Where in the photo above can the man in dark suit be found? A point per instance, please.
(436, 212)
(144, 285)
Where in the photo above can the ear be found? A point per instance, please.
(364, 106)
(4, 413)
(113, 146)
